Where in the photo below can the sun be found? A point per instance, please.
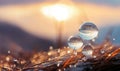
(60, 12)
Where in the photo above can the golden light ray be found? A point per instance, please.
(113, 54)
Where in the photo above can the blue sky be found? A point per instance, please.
(101, 2)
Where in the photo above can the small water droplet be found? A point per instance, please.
(49, 59)
(59, 69)
(68, 51)
(75, 42)
(9, 51)
(109, 55)
(87, 51)
(65, 47)
(84, 58)
(102, 51)
(75, 53)
(113, 39)
(59, 50)
(49, 53)
(58, 64)
(70, 66)
(93, 40)
(1, 61)
(94, 56)
(7, 58)
(64, 69)
(51, 48)
(15, 60)
(75, 65)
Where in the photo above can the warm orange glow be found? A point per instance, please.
(60, 12)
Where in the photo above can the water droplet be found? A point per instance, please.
(75, 65)
(109, 55)
(94, 56)
(7, 58)
(84, 59)
(102, 51)
(1, 61)
(49, 53)
(88, 51)
(58, 64)
(22, 61)
(15, 60)
(9, 51)
(68, 51)
(59, 69)
(88, 31)
(75, 53)
(51, 48)
(75, 42)
(93, 40)
(49, 59)
(58, 50)
(113, 39)
(65, 47)
(70, 66)
(91, 67)
(64, 69)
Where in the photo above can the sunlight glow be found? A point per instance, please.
(60, 12)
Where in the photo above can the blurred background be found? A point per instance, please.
(28, 24)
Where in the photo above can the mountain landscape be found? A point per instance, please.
(15, 39)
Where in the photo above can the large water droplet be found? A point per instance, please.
(75, 42)
(88, 51)
(88, 31)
